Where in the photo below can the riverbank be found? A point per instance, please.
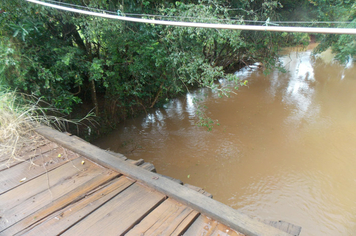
(112, 114)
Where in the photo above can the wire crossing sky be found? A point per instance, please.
(206, 25)
(231, 19)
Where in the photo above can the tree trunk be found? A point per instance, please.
(94, 98)
(157, 95)
(93, 89)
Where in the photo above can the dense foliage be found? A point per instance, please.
(120, 67)
(326, 13)
(344, 46)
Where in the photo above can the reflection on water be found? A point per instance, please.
(299, 91)
(285, 150)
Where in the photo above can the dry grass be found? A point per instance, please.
(20, 115)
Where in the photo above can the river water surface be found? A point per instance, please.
(285, 149)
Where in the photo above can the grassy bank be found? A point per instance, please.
(20, 115)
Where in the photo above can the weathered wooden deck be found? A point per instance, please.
(65, 186)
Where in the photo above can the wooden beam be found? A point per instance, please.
(207, 206)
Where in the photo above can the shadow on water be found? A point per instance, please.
(286, 147)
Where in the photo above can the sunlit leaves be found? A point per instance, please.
(133, 66)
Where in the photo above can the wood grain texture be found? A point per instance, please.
(201, 227)
(178, 181)
(36, 142)
(199, 190)
(209, 227)
(40, 164)
(189, 197)
(285, 226)
(119, 214)
(34, 195)
(169, 218)
(72, 197)
(148, 166)
(141, 163)
(28, 153)
(61, 220)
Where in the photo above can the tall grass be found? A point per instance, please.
(20, 115)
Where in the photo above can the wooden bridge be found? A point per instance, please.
(65, 186)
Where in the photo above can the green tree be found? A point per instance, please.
(344, 46)
(122, 67)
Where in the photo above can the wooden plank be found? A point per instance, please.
(285, 226)
(195, 200)
(199, 190)
(136, 162)
(25, 171)
(116, 154)
(59, 221)
(36, 142)
(201, 226)
(119, 155)
(141, 163)
(40, 141)
(33, 195)
(208, 227)
(223, 230)
(169, 218)
(75, 195)
(38, 185)
(28, 154)
(119, 214)
(171, 178)
(148, 166)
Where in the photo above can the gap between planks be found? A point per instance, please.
(62, 219)
(68, 184)
(214, 209)
(41, 164)
(128, 208)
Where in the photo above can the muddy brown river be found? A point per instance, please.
(285, 149)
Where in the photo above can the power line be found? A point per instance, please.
(231, 19)
(79, 6)
(206, 25)
(146, 15)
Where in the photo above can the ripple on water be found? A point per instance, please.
(285, 149)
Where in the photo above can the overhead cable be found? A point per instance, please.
(206, 25)
(232, 19)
